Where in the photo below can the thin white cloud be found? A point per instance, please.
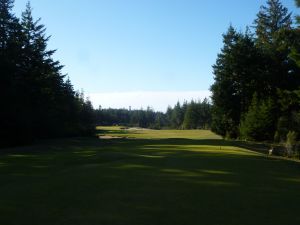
(158, 100)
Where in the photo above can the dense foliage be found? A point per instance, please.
(257, 78)
(37, 100)
(127, 117)
(192, 115)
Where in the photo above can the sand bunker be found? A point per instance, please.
(137, 128)
(109, 137)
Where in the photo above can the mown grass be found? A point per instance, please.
(156, 134)
(159, 178)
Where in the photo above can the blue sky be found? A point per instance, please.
(112, 47)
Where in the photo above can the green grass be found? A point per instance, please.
(149, 178)
(156, 134)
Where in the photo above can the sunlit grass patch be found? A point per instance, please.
(156, 134)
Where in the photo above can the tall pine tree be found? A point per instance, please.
(237, 74)
(273, 30)
(11, 77)
(38, 102)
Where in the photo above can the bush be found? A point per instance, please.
(276, 137)
(291, 142)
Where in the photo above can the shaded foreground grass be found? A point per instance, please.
(146, 181)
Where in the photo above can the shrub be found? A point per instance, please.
(291, 142)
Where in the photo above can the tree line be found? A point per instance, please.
(256, 92)
(38, 100)
(189, 115)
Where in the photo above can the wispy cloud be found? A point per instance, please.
(158, 100)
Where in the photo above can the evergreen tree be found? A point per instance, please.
(9, 25)
(295, 53)
(160, 121)
(271, 18)
(223, 99)
(273, 29)
(259, 123)
(191, 117)
(38, 102)
(204, 120)
(237, 75)
(44, 80)
(290, 113)
(298, 17)
(11, 74)
(263, 64)
(177, 116)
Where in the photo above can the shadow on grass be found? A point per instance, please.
(146, 181)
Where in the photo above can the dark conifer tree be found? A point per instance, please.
(191, 117)
(44, 79)
(11, 74)
(38, 102)
(295, 53)
(265, 64)
(259, 122)
(298, 16)
(177, 116)
(273, 29)
(271, 18)
(237, 76)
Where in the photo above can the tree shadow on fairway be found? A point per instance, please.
(145, 182)
(199, 182)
